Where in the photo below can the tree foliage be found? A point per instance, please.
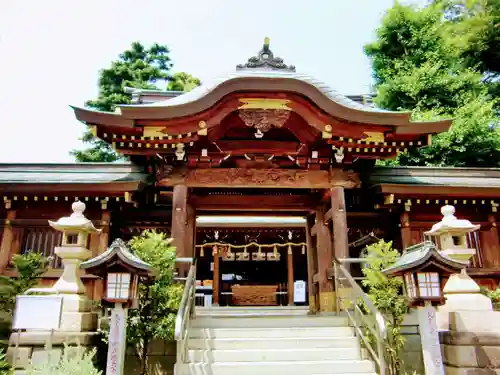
(159, 301)
(422, 63)
(137, 67)
(386, 294)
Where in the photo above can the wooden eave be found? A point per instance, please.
(91, 189)
(264, 84)
(89, 116)
(441, 191)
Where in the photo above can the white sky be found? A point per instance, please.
(51, 52)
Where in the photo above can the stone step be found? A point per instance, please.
(263, 333)
(252, 311)
(330, 342)
(273, 355)
(259, 321)
(273, 368)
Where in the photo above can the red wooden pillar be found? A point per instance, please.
(311, 268)
(179, 218)
(325, 263)
(8, 238)
(290, 277)
(339, 222)
(215, 282)
(190, 233)
(405, 230)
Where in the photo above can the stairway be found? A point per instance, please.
(271, 341)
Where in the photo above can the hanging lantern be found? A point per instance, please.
(243, 256)
(275, 255)
(289, 249)
(202, 252)
(214, 250)
(303, 249)
(259, 256)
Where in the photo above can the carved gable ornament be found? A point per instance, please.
(264, 119)
(265, 59)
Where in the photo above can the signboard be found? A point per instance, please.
(37, 312)
(429, 336)
(117, 341)
(299, 291)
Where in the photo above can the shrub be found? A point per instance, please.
(73, 361)
(386, 294)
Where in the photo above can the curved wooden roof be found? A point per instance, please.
(263, 74)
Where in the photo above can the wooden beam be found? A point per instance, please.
(252, 202)
(260, 178)
(439, 192)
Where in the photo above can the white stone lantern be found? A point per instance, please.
(73, 250)
(461, 292)
(451, 234)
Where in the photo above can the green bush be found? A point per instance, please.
(73, 361)
(386, 294)
(5, 368)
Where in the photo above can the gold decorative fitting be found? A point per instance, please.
(264, 103)
(328, 128)
(374, 137)
(202, 128)
(154, 131)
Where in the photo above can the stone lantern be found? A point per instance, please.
(461, 291)
(73, 250)
(422, 268)
(121, 271)
(451, 235)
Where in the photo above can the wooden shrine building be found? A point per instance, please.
(291, 160)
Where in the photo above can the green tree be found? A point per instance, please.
(386, 294)
(418, 67)
(158, 302)
(183, 82)
(137, 67)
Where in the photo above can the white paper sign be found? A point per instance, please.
(117, 341)
(299, 291)
(37, 312)
(433, 360)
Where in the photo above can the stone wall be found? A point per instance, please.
(412, 354)
(160, 359)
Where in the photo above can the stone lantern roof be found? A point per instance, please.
(450, 223)
(420, 256)
(76, 221)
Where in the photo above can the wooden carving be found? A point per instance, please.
(261, 178)
(264, 119)
(346, 179)
(244, 178)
